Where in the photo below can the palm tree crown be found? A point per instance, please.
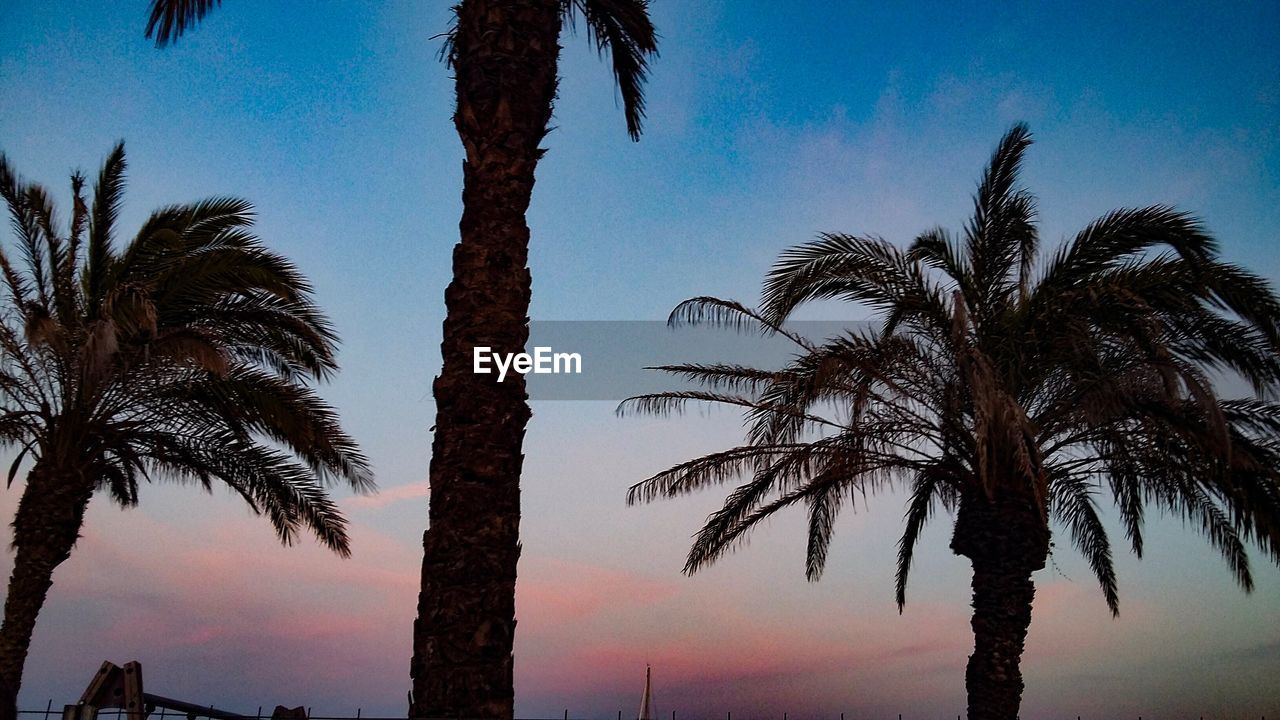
(183, 355)
(1008, 388)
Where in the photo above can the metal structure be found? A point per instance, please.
(116, 687)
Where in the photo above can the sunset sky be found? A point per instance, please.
(768, 122)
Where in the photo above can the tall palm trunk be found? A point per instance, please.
(45, 528)
(1006, 541)
(505, 58)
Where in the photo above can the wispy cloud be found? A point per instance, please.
(415, 491)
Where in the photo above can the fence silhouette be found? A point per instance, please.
(193, 712)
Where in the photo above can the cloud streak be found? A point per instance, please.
(415, 491)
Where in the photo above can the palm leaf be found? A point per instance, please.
(169, 19)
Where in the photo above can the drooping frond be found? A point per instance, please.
(261, 403)
(1120, 235)
(865, 270)
(820, 492)
(713, 469)
(211, 223)
(823, 508)
(1073, 504)
(169, 19)
(675, 403)
(729, 314)
(724, 378)
(929, 487)
(285, 491)
(938, 250)
(876, 378)
(622, 30)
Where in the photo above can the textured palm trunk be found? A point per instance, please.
(45, 528)
(505, 63)
(1006, 541)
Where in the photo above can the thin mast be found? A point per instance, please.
(646, 710)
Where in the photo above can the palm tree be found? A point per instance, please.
(183, 356)
(505, 55)
(1011, 391)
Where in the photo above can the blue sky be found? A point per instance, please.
(768, 122)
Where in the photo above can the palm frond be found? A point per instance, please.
(108, 194)
(713, 469)
(823, 508)
(928, 485)
(1074, 504)
(729, 314)
(1002, 235)
(169, 19)
(1118, 236)
(936, 248)
(866, 270)
(621, 29)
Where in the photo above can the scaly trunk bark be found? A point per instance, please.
(505, 54)
(1006, 541)
(45, 528)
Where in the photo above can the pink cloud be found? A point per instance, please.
(707, 645)
(553, 592)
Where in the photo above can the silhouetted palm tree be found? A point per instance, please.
(505, 55)
(183, 356)
(1008, 391)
